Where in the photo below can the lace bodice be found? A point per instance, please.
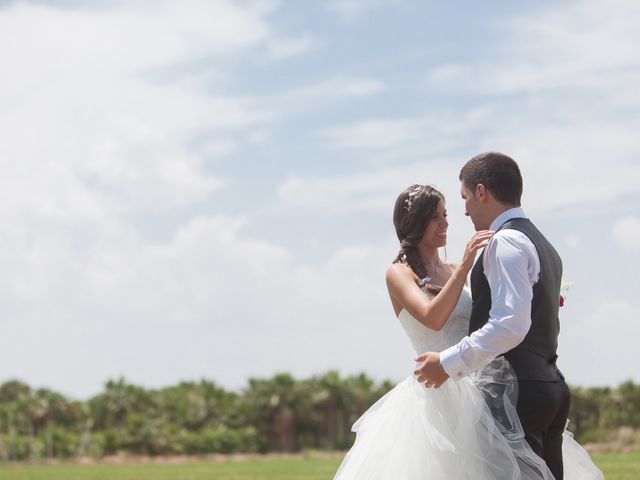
(425, 339)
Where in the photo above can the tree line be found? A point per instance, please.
(280, 414)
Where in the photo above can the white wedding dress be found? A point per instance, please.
(449, 433)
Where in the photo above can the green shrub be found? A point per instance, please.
(221, 440)
(21, 447)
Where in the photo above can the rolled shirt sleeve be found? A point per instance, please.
(512, 267)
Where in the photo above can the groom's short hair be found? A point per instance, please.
(498, 173)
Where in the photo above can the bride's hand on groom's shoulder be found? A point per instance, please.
(476, 242)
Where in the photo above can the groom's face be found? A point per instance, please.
(472, 207)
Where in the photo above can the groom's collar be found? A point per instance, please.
(505, 216)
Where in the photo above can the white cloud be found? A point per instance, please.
(568, 165)
(350, 9)
(132, 37)
(574, 68)
(326, 92)
(437, 131)
(209, 302)
(374, 134)
(558, 157)
(83, 117)
(337, 87)
(583, 46)
(362, 192)
(371, 191)
(98, 142)
(608, 332)
(280, 48)
(626, 232)
(218, 148)
(573, 241)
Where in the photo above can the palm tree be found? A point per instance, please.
(360, 395)
(193, 406)
(272, 406)
(120, 399)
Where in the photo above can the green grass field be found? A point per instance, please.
(615, 467)
(253, 469)
(619, 466)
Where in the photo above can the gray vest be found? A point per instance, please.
(535, 358)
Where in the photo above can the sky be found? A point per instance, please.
(204, 189)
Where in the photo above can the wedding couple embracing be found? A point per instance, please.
(486, 400)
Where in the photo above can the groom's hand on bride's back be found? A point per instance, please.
(429, 370)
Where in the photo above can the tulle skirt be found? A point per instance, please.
(414, 432)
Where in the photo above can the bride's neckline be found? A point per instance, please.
(465, 287)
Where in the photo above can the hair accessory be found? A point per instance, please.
(413, 193)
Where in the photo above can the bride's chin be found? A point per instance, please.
(437, 242)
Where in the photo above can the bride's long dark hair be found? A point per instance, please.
(415, 208)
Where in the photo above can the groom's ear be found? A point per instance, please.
(481, 192)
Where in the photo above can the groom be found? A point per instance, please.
(515, 285)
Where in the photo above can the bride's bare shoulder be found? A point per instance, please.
(399, 273)
(399, 268)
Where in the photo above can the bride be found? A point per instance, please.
(414, 432)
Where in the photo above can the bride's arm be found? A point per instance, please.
(433, 312)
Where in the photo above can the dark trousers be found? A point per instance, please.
(543, 408)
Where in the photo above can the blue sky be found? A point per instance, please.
(204, 188)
